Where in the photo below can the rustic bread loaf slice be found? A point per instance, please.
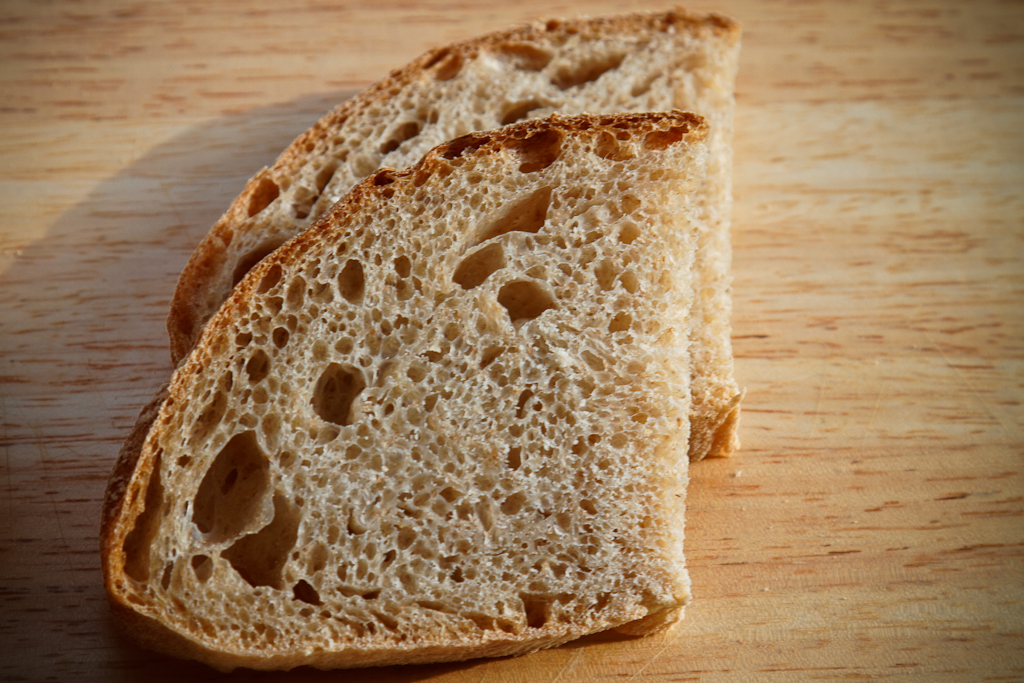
(448, 421)
(636, 62)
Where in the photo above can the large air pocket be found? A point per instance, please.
(231, 496)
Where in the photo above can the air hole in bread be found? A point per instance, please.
(422, 174)
(280, 336)
(593, 360)
(564, 521)
(602, 602)
(514, 458)
(538, 151)
(629, 233)
(306, 593)
(319, 350)
(344, 346)
(202, 567)
(578, 74)
(354, 525)
(324, 175)
(266, 191)
(389, 558)
(606, 272)
(295, 294)
(524, 55)
(252, 257)
(259, 558)
(456, 575)
(490, 355)
(483, 622)
(231, 494)
(165, 578)
(629, 206)
(535, 608)
(335, 392)
(432, 355)
(607, 147)
(588, 507)
(383, 177)
(406, 536)
(528, 215)
(660, 139)
(352, 282)
(630, 281)
(407, 579)
(212, 414)
(450, 494)
(524, 300)
(403, 266)
(518, 111)
(621, 322)
(321, 292)
(485, 513)
(271, 425)
(436, 58)
(269, 280)
(514, 503)
(389, 622)
(467, 143)
(449, 67)
(406, 131)
(479, 265)
(521, 404)
(138, 541)
(416, 372)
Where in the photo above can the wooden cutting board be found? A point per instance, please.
(871, 527)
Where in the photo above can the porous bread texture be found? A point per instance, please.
(629, 63)
(449, 421)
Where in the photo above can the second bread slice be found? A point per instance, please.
(629, 63)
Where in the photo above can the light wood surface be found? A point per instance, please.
(872, 527)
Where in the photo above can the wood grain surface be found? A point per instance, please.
(872, 527)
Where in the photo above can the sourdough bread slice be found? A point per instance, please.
(630, 63)
(448, 421)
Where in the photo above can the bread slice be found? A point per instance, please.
(630, 63)
(448, 421)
